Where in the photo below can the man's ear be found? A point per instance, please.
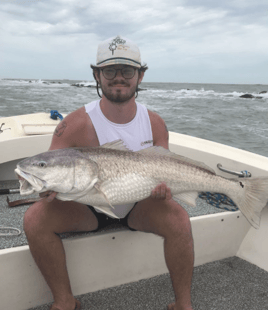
(96, 74)
(141, 75)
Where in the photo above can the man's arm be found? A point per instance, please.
(75, 130)
(160, 138)
(159, 129)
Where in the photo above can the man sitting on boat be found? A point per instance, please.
(116, 115)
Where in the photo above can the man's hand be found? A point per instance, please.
(48, 196)
(161, 192)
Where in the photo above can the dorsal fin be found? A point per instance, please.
(159, 150)
(116, 145)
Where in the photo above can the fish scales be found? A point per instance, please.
(111, 175)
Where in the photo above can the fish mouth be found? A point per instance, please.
(29, 183)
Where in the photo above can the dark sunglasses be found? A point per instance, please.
(126, 72)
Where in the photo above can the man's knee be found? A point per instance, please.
(34, 217)
(163, 218)
(177, 221)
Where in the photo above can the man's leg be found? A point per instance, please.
(168, 219)
(42, 222)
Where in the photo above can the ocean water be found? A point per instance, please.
(210, 111)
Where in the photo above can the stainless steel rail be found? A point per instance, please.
(241, 174)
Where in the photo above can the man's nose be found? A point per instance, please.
(118, 73)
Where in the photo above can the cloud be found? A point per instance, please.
(198, 35)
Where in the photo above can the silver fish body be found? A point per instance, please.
(111, 175)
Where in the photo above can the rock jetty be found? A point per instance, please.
(85, 84)
(250, 96)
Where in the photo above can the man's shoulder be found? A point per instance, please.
(77, 118)
(82, 112)
(156, 119)
(78, 112)
(159, 129)
(75, 129)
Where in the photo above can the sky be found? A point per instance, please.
(196, 41)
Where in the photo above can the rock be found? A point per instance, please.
(140, 89)
(247, 96)
(250, 96)
(263, 92)
(83, 85)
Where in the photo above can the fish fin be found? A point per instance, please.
(116, 145)
(188, 197)
(107, 211)
(65, 197)
(254, 199)
(97, 187)
(159, 150)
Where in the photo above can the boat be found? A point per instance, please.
(23, 136)
(216, 236)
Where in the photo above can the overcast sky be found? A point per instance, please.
(198, 41)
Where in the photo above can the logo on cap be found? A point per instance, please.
(113, 44)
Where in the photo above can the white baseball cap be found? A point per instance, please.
(118, 50)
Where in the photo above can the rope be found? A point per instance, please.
(16, 232)
(54, 114)
(217, 199)
(246, 173)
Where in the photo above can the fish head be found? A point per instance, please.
(53, 170)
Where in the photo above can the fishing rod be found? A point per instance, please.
(16, 203)
(6, 191)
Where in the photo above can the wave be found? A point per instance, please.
(29, 82)
(195, 93)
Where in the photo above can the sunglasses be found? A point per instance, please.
(126, 72)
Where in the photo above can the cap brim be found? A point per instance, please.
(118, 61)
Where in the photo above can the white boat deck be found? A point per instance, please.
(227, 284)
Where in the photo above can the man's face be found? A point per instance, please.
(121, 88)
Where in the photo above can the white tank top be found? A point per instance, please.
(136, 135)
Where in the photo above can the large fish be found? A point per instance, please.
(112, 175)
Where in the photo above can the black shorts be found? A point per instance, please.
(104, 220)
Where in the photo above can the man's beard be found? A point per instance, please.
(118, 97)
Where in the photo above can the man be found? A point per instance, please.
(118, 72)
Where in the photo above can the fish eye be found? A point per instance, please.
(42, 164)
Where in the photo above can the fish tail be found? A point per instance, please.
(252, 199)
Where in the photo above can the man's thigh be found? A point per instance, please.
(60, 216)
(157, 216)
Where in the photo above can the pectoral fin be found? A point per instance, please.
(107, 211)
(188, 197)
(97, 187)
